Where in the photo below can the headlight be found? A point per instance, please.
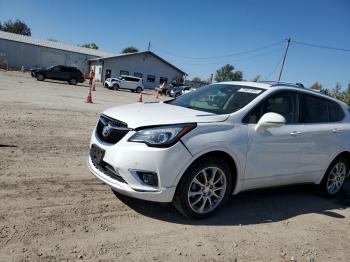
(162, 136)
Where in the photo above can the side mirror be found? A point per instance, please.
(269, 120)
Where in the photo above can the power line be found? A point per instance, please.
(222, 56)
(232, 61)
(321, 46)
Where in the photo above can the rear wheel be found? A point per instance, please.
(138, 89)
(334, 179)
(72, 81)
(204, 188)
(40, 77)
(115, 87)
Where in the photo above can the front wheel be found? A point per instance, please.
(204, 188)
(40, 77)
(334, 179)
(115, 87)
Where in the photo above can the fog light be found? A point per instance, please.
(148, 178)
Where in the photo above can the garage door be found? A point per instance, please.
(52, 58)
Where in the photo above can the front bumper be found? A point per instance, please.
(126, 157)
(163, 195)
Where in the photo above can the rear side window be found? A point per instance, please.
(336, 113)
(314, 110)
(131, 79)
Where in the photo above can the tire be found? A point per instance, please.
(40, 77)
(138, 89)
(106, 86)
(115, 87)
(194, 195)
(72, 81)
(335, 177)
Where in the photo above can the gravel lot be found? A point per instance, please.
(53, 209)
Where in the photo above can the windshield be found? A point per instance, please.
(218, 98)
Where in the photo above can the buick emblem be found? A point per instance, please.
(106, 130)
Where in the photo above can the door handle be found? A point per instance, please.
(295, 133)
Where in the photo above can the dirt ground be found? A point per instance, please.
(53, 209)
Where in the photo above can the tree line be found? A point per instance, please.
(336, 92)
(228, 73)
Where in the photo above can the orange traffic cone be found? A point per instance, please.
(93, 87)
(89, 97)
(140, 98)
(157, 95)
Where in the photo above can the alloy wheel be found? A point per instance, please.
(336, 178)
(207, 190)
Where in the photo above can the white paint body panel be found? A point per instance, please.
(288, 154)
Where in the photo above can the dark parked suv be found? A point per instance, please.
(60, 72)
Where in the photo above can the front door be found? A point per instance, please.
(273, 156)
(54, 73)
(108, 73)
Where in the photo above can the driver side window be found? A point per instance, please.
(284, 103)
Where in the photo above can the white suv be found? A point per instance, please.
(224, 138)
(132, 83)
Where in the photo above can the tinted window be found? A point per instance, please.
(336, 114)
(284, 103)
(56, 68)
(151, 78)
(131, 79)
(69, 69)
(138, 75)
(123, 72)
(218, 98)
(314, 110)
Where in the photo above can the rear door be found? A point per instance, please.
(66, 73)
(130, 83)
(273, 156)
(324, 129)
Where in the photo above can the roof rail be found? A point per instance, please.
(279, 83)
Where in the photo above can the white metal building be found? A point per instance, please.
(147, 65)
(19, 50)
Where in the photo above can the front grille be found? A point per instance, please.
(110, 130)
(108, 170)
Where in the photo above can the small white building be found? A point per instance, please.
(146, 65)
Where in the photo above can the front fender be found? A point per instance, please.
(223, 136)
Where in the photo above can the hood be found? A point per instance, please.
(149, 114)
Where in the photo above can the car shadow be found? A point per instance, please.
(254, 207)
(66, 83)
(144, 92)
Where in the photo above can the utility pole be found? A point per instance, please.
(149, 46)
(284, 58)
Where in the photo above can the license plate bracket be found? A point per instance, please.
(96, 154)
